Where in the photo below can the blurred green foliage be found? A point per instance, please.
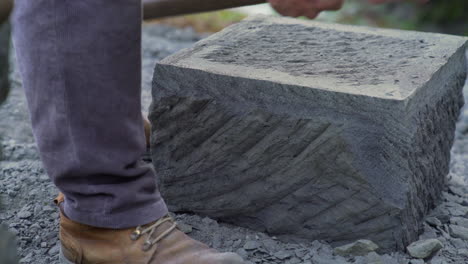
(204, 22)
(444, 11)
(444, 16)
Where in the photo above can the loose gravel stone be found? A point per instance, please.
(251, 245)
(282, 254)
(459, 221)
(358, 248)
(463, 252)
(24, 214)
(54, 250)
(424, 248)
(459, 232)
(433, 221)
(371, 258)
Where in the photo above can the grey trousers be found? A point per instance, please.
(80, 62)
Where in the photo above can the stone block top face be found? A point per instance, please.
(362, 61)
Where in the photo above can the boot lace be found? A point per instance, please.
(140, 230)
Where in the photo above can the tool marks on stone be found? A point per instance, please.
(253, 127)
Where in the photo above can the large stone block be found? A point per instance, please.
(309, 130)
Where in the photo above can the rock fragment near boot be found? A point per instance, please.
(359, 248)
(309, 130)
(424, 248)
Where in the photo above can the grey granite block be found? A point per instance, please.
(4, 60)
(308, 130)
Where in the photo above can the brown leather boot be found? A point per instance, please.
(159, 242)
(147, 125)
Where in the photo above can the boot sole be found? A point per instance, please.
(63, 259)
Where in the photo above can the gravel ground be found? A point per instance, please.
(27, 192)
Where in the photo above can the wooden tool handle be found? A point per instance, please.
(164, 8)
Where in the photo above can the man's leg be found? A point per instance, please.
(80, 61)
(81, 68)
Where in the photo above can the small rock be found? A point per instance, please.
(429, 232)
(294, 260)
(463, 252)
(300, 252)
(458, 243)
(251, 245)
(460, 221)
(444, 218)
(54, 250)
(424, 248)
(439, 260)
(433, 221)
(43, 244)
(208, 221)
(43, 178)
(359, 248)
(236, 243)
(187, 229)
(459, 232)
(27, 258)
(48, 208)
(394, 259)
(458, 191)
(282, 254)
(241, 252)
(458, 210)
(373, 258)
(23, 214)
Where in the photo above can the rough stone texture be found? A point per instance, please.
(4, 58)
(308, 130)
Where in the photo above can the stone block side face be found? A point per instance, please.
(281, 174)
(4, 60)
(433, 129)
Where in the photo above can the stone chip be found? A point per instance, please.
(459, 231)
(424, 248)
(361, 247)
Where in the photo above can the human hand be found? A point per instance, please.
(307, 8)
(312, 8)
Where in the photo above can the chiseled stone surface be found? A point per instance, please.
(309, 130)
(4, 65)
